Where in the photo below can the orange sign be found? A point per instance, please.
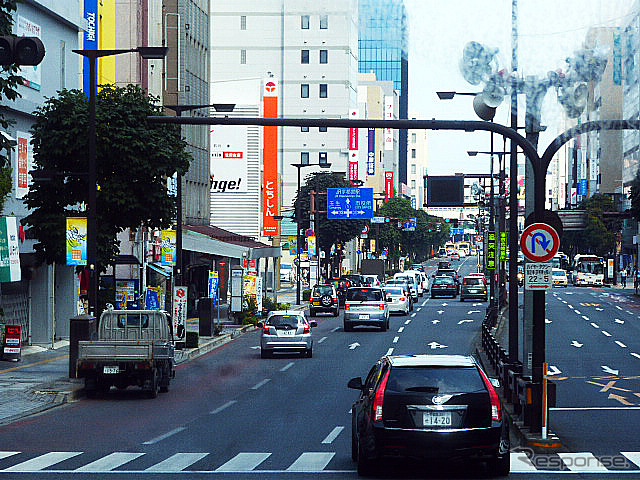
(270, 186)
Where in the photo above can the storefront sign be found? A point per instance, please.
(179, 312)
(23, 164)
(371, 158)
(9, 250)
(76, 234)
(388, 186)
(491, 250)
(270, 155)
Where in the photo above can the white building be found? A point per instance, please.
(417, 159)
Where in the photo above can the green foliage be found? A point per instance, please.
(598, 236)
(134, 159)
(268, 305)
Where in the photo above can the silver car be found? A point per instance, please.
(366, 306)
(286, 331)
(399, 300)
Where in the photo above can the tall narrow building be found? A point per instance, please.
(383, 46)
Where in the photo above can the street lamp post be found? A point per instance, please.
(150, 53)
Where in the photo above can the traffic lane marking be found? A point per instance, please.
(27, 365)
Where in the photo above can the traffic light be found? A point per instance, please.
(20, 50)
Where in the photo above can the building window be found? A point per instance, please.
(304, 56)
(304, 22)
(323, 90)
(304, 129)
(243, 57)
(413, 153)
(324, 56)
(243, 22)
(304, 158)
(322, 129)
(413, 168)
(304, 90)
(324, 22)
(413, 184)
(414, 137)
(322, 158)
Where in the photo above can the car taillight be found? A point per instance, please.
(311, 299)
(335, 299)
(379, 399)
(266, 329)
(382, 305)
(496, 407)
(347, 307)
(402, 299)
(307, 329)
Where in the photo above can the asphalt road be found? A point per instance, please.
(230, 414)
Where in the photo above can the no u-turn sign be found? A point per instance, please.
(539, 242)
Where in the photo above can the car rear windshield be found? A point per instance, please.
(443, 280)
(133, 320)
(559, 273)
(472, 281)
(435, 380)
(364, 295)
(393, 291)
(282, 320)
(323, 290)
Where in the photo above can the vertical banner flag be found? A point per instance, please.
(388, 115)
(90, 38)
(311, 245)
(169, 248)
(23, 164)
(491, 250)
(270, 187)
(353, 149)
(9, 250)
(180, 312)
(76, 240)
(388, 186)
(371, 158)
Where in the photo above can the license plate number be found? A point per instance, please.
(110, 370)
(436, 419)
(288, 332)
(364, 316)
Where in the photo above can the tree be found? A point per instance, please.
(9, 80)
(330, 234)
(134, 159)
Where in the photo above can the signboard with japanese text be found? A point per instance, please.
(388, 115)
(270, 209)
(23, 164)
(9, 250)
(350, 203)
(311, 245)
(76, 239)
(179, 312)
(389, 191)
(169, 248)
(491, 250)
(504, 242)
(228, 167)
(371, 156)
(537, 276)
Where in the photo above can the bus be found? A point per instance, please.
(450, 247)
(587, 270)
(464, 247)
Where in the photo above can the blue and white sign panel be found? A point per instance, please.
(350, 203)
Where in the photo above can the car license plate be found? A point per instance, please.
(473, 290)
(110, 370)
(436, 419)
(289, 332)
(364, 316)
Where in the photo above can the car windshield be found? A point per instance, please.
(364, 295)
(472, 281)
(394, 291)
(559, 273)
(435, 380)
(443, 280)
(323, 290)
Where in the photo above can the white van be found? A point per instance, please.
(415, 276)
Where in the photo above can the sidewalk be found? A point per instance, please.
(40, 380)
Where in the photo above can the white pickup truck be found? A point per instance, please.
(134, 347)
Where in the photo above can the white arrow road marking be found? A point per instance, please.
(354, 346)
(440, 312)
(465, 321)
(435, 345)
(585, 317)
(595, 325)
(619, 321)
(553, 370)
(620, 344)
(473, 311)
(609, 370)
(576, 344)
(435, 322)
(604, 332)
(637, 355)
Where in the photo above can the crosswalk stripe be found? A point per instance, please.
(7, 454)
(177, 462)
(333, 434)
(311, 462)
(633, 457)
(582, 462)
(243, 462)
(520, 463)
(111, 461)
(41, 462)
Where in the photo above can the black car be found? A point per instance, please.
(324, 298)
(444, 265)
(428, 407)
(342, 285)
(355, 279)
(444, 286)
(451, 273)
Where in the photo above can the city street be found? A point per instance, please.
(230, 413)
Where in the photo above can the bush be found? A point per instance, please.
(306, 294)
(268, 305)
(192, 340)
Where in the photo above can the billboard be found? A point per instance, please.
(270, 153)
(23, 164)
(445, 191)
(229, 159)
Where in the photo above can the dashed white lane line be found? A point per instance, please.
(619, 321)
(260, 384)
(395, 340)
(288, 366)
(401, 329)
(166, 435)
(637, 355)
(618, 307)
(333, 435)
(390, 351)
(413, 315)
(322, 339)
(585, 317)
(620, 344)
(407, 322)
(595, 325)
(223, 407)
(577, 312)
(335, 329)
(604, 332)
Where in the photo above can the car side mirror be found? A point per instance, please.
(355, 383)
(313, 323)
(495, 382)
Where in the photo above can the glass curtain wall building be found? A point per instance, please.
(384, 49)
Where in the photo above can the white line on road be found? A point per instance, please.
(565, 302)
(630, 312)
(578, 312)
(260, 384)
(221, 408)
(322, 339)
(395, 340)
(333, 435)
(619, 321)
(111, 461)
(41, 462)
(162, 437)
(400, 330)
(335, 329)
(595, 325)
(390, 351)
(635, 355)
(585, 317)
(580, 409)
(570, 306)
(582, 461)
(418, 309)
(413, 315)
(620, 344)
(176, 462)
(407, 322)
(311, 462)
(289, 365)
(243, 462)
(604, 332)
(618, 307)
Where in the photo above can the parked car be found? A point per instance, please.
(429, 407)
(286, 331)
(559, 277)
(324, 298)
(397, 299)
(444, 286)
(286, 272)
(473, 286)
(366, 306)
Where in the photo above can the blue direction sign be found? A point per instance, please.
(351, 203)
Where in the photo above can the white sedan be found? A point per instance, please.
(397, 300)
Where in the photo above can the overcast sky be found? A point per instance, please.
(549, 32)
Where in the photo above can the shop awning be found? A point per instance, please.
(161, 269)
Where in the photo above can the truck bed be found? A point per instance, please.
(123, 350)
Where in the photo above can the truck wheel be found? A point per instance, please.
(153, 384)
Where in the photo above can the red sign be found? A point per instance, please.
(23, 162)
(353, 139)
(270, 206)
(539, 242)
(231, 154)
(388, 186)
(353, 170)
